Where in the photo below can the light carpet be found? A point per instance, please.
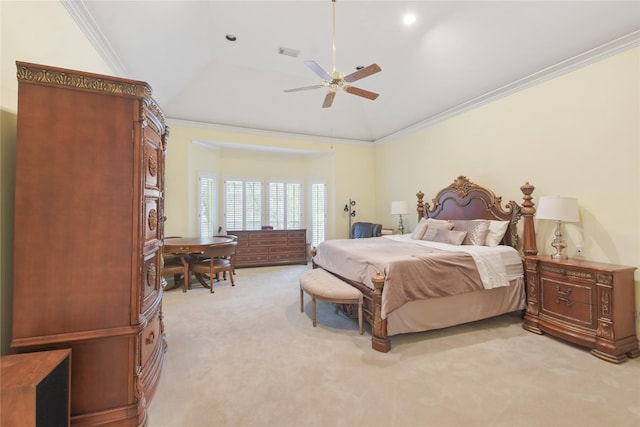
(247, 356)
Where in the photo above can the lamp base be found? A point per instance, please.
(400, 225)
(558, 244)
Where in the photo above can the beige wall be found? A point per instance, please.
(577, 135)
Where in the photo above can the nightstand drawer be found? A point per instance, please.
(568, 301)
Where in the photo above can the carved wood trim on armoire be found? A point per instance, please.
(89, 221)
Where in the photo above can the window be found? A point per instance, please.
(318, 213)
(243, 204)
(285, 205)
(207, 204)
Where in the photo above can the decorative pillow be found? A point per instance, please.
(451, 237)
(433, 225)
(477, 231)
(420, 229)
(497, 229)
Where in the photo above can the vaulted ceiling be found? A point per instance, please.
(455, 56)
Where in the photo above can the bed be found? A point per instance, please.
(450, 274)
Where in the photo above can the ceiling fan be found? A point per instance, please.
(337, 80)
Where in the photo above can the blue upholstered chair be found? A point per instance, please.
(360, 230)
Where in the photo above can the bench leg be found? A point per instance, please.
(360, 318)
(313, 310)
(301, 300)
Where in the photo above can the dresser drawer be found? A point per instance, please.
(151, 167)
(251, 251)
(150, 281)
(568, 301)
(251, 259)
(287, 257)
(151, 338)
(152, 220)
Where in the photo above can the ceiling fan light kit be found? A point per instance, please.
(336, 80)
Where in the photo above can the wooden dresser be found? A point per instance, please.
(588, 303)
(270, 247)
(88, 236)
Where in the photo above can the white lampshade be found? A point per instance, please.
(558, 208)
(399, 208)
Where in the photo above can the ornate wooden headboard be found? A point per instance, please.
(467, 200)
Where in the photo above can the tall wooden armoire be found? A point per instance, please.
(88, 236)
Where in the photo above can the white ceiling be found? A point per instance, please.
(457, 55)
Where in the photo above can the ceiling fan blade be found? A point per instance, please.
(298, 89)
(360, 74)
(328, 100)
(361, 92)
(313, 65)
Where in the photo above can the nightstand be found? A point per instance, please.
(587, 303)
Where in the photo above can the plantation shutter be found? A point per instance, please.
(207, 205)
(294, 206)
(318, 213)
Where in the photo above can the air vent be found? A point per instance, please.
(288, 51)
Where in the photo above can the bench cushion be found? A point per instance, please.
(323, 284)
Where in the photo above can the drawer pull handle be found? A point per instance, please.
(150, 338)
(566, 300)
(561, 292)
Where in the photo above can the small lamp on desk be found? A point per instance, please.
(400, 208)
(558, 209)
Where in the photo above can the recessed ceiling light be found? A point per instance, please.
(230, 37)
(409, 19)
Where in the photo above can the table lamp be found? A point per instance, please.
(558, 209)
(399, 208)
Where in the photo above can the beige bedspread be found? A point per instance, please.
(412, 269)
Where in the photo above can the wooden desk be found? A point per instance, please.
(184, 247)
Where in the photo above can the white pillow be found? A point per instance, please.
(477, 231)
(451, 237)
(497, 229)
(436, 224)
(418, 232)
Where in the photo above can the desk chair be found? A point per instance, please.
(215, 259)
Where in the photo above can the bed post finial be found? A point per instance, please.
(420, 206)
(378, 283)
(529, 246)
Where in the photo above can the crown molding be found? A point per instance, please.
(591, 56)
(263, 132)
(88, 26)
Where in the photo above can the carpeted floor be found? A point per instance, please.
(247, 356)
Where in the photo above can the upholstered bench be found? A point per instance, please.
(323, 285)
